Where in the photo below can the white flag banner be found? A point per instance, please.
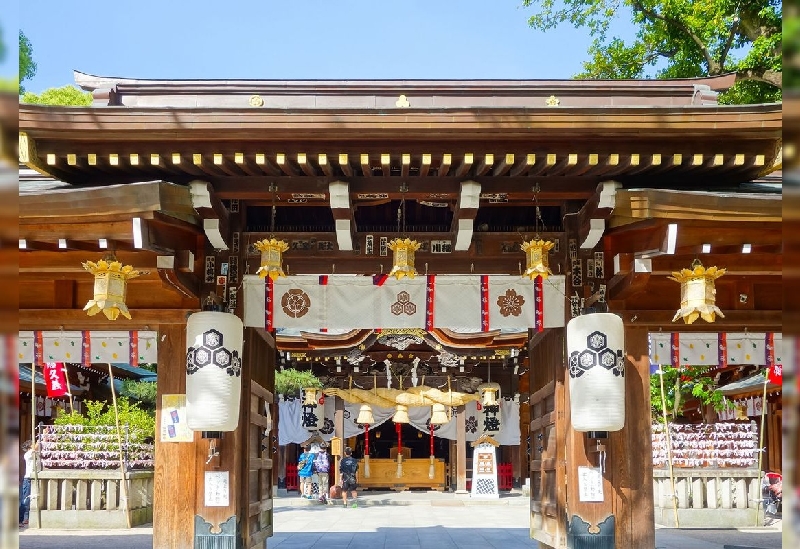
(456, 302)
(86, 347)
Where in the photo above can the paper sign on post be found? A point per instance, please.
(590, 484)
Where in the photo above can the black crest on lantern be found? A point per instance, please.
(212, 352)
(596, 353)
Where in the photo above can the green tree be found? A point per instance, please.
(680, 386)
(65, 96)
(289, 381)
(679, 39)
(144, 392)
(27, 66)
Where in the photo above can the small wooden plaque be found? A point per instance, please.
(336, 446)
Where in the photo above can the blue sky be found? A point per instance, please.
(285, 39)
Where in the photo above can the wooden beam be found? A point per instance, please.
(366, 166)
(324, 165)
(285, 165)
(444, 165)
(386, 164)
(305, 164)
(405, 164)
(523, 165)
(550, 160)
(425, 164)
(77, 319)
(465, 166)
(223, 163)
(186, 284)
(245, 164)
(344, 164)
(504, 165)
(205, 166)
(739, 321)
(266, 165)
(484, 165)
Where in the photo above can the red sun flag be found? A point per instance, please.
(54, 379)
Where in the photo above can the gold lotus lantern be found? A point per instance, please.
(271, 257)
(403, 249)
(310, 396)
(401, 414)
(537, 259)
(698, 294)
(438, 415)
(365, 415)
(110, 287)
(489, 393)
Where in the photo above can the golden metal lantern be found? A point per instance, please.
(365, 415)
(438, 415)
(401, 414)
(698, 294)
(271, 257)
(489, 393)
(403, 257)
(310, 396)
(110, 287)
(537, 258)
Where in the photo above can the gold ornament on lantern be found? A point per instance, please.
(698, 294)
(311, 396)
(537, 259)
(271, 257)
(110, 286)
(489, 393)
(403, 257)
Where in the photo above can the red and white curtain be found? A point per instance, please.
(721, 349)
(87, 347)
(456, 302)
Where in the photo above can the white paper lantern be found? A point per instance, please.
(595, 344)
(213, 371)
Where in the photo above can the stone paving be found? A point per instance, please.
(412, 520)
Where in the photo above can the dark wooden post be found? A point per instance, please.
(338, 430)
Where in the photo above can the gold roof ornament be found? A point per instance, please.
(553, 101)
(537, 259)
(271, 257)
(403, 259)
(110, 287)
(698, 294)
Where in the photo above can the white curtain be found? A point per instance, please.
(290, 429)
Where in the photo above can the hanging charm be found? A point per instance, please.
(403, 262)
(271, 257)
(537, 258)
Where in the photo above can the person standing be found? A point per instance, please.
(25, 492)
(322, 467)
(348, 470)
(305, 469)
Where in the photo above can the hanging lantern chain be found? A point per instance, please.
(274, 190)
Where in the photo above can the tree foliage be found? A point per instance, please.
(65, 96)
(142, 391)
(679, 39)
(290, 381)
(141, 423)
(680, 386)
(27, 66)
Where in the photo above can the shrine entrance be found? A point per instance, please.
(470, 171)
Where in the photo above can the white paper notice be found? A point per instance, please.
(216, 489)
(590, 484)
(173, 419)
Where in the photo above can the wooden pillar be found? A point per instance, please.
(338, 431)
(461, 450)
(174, 491)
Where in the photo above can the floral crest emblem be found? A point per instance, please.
(511, 303)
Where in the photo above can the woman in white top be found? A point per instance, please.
(25, 491)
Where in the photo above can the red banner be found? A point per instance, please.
(429, 298)
(774, 371)
(54, 379)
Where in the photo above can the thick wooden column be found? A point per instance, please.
(461, 450)
(176, 467)
(630, 465)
